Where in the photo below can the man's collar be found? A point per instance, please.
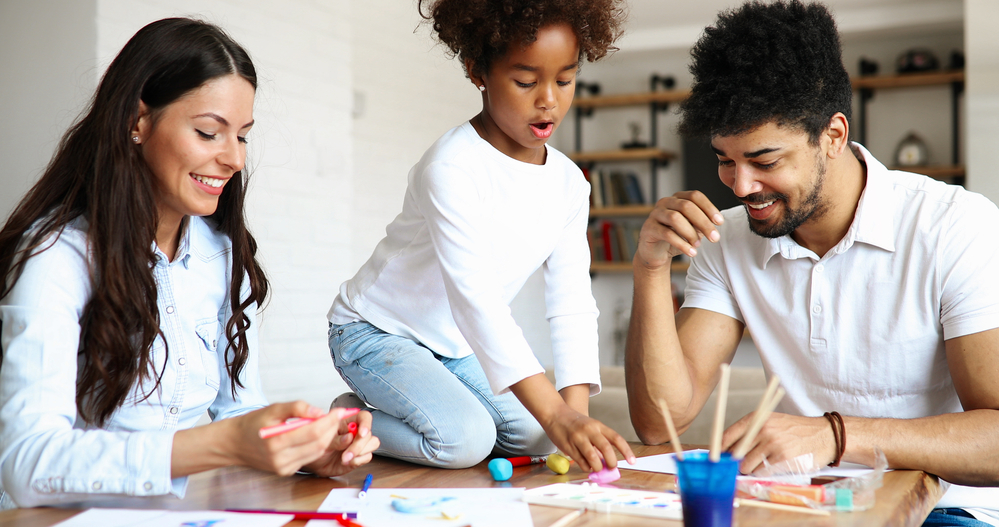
(873, 223)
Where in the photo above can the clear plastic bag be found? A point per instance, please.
(791, 483)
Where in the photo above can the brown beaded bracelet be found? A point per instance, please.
(839, 434)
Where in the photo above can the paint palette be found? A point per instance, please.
(607, 499)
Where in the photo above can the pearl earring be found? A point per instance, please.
(135, 139)
(482, 87)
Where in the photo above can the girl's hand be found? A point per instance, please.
(587, 441)
(347, 451)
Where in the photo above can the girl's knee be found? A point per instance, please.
(527, 438)
(470, 443)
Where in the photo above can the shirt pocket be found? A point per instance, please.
(209, 333)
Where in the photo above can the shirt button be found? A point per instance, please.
(147, 486)
(182, 361)
(97, 485)
(173, 410)
(819, 268)
(169, 310)
(213, 343)
(817, 310)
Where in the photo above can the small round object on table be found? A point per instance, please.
(500, 469)
(558, 463)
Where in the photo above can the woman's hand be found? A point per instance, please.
(237, 441)
(347, 451)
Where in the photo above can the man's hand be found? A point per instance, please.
(784, 437)
(675, 227)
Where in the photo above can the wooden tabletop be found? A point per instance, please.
(904, 500)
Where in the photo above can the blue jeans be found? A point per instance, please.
(430, 409)
(952, 518)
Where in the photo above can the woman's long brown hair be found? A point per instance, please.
(98, 174)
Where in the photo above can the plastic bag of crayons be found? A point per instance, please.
(795, 482)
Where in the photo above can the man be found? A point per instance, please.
(871, 293)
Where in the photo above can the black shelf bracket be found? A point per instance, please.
(583, 87)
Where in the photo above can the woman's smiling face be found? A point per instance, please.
(194, 146)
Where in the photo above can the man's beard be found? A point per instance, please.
(793, 218)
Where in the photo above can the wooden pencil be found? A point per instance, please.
(780, 507)
(746, 443)
(674, 439)
(714, 451)
(568, 518)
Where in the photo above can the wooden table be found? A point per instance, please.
(904, 500)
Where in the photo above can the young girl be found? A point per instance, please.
(423, 332)
(130, 289)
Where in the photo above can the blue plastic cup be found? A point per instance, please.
(707, 489)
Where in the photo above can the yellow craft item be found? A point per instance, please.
(558, 463)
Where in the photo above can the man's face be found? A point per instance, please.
(777, 174)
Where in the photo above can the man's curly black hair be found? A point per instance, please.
(482, 30)
(767, 62)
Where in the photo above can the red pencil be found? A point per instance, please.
(302, 515)
(526, 460)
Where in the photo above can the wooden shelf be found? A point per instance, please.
(908, 79)
(632, 99)
(936, 171)
(625, 267)
(621, 211)
(629, 154)
(675, 96)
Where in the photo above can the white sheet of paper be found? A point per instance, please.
(165, 518)
(662, 463)
(666, 464)
(486, 507)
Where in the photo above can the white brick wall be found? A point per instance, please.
(412, 94)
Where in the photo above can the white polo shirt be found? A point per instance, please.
(861, 330)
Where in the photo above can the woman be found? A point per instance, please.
(130, 290)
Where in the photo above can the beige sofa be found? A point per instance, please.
(746, 387)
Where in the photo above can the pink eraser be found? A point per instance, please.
(605, 475)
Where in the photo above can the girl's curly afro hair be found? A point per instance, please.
(767, 62)
(482, 30)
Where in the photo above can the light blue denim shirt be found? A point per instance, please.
(49, 456)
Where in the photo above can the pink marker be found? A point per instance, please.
(294, 423)
(352, 429)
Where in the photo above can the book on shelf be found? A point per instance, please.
(614, 241)
(614, 189)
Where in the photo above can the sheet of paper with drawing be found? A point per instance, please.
(482, 507)
(666, 464)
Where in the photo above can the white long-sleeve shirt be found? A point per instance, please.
(48, 455)
(474, 226)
